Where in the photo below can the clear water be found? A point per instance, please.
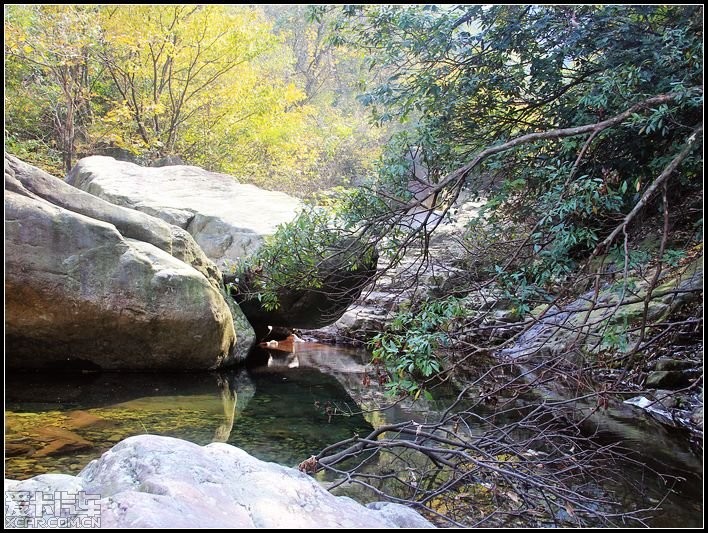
(284, 407)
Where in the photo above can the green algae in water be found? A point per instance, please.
(273, 415)
(276, 414)
(29, 429)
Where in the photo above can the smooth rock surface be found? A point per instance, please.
(227, 219)
(92, 285)
(151, 481)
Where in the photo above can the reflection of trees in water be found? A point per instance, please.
(293, 414)
(505, 456)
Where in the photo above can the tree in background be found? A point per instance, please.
(217, 85)
(50, 75)
(491, 95)
(337, 143)
(581, 127)
(173, 68)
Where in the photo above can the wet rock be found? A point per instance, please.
(61, 441)
(83, 419)
(62, 447)
(14, 449)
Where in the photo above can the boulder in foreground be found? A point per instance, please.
(162, 482)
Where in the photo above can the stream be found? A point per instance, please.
(284, 406)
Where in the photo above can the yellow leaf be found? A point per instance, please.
(27, 49)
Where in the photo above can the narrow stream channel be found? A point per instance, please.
(283, 407)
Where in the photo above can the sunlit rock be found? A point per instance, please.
(227, 219)
(90, 285)
(151, 481)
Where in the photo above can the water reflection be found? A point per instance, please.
(288, 404)
(280, 409)
(236, 391)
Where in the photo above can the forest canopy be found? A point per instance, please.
(565, 117)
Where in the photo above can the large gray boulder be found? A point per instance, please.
(92, 285)
(163, 482)
(32, 182)
(227, 219)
